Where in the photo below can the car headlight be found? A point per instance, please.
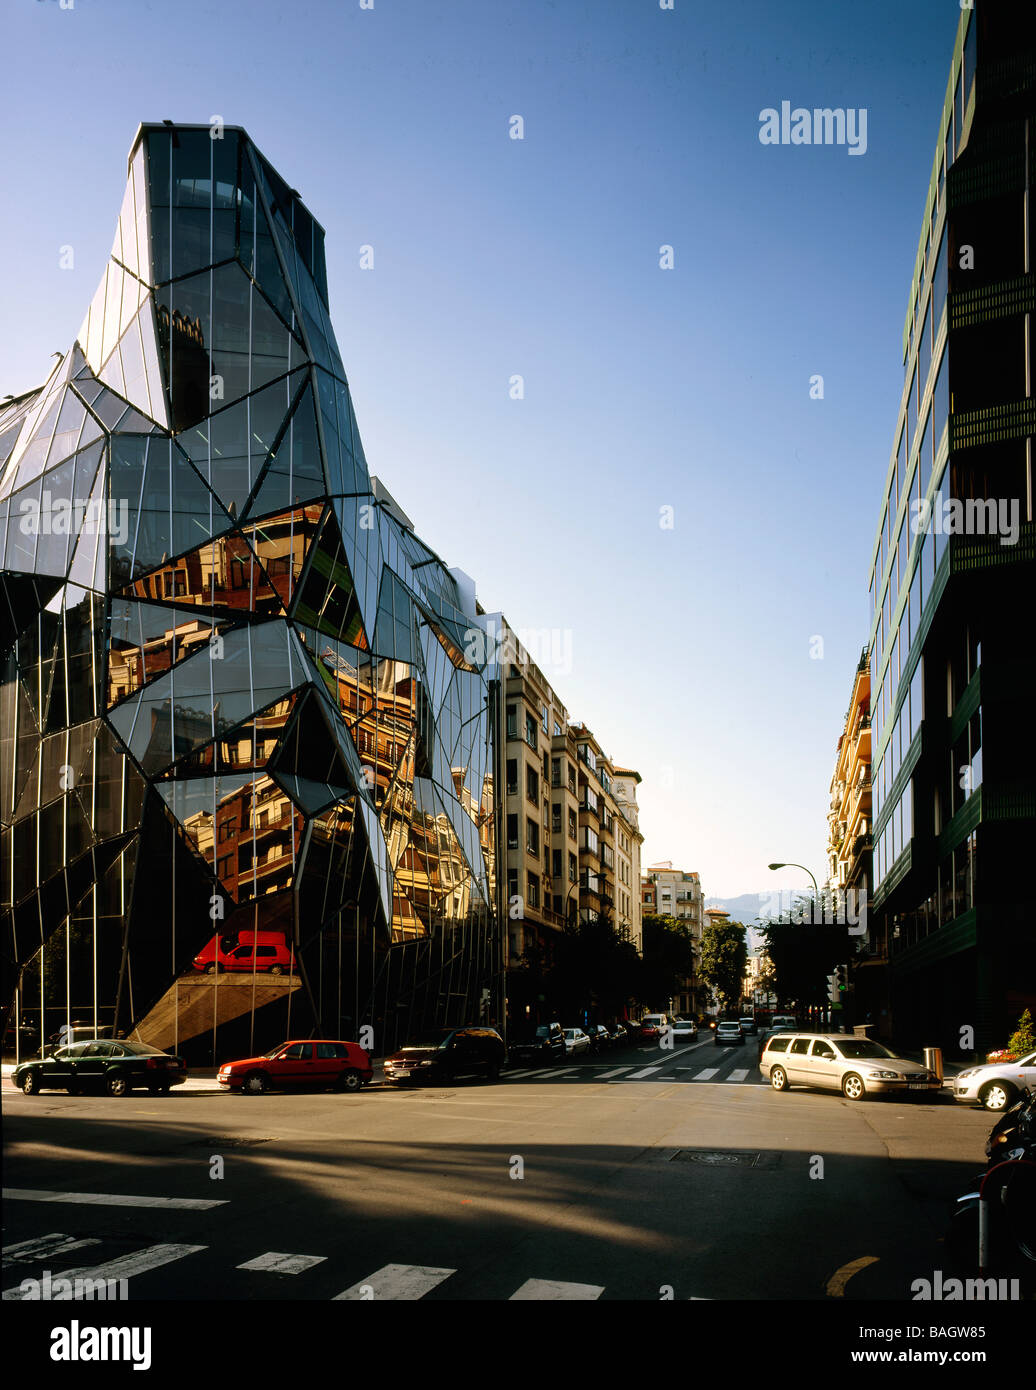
(968, 1071)
(885, 1075)
(424, 1064)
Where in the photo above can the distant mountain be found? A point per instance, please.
(746, 907)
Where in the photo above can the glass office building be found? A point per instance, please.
(952, 579)
(246, 738)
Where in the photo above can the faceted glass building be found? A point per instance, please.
(246, 738)
(954, 575)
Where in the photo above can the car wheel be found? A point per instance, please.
(997, 1095)
(30, 1084)
(116, 1085)
(349, 1081)
(276, 969)
(779, 1079)
(255, 1083)
(212, 969)
(853, 1087)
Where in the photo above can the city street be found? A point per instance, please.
(638, 1175)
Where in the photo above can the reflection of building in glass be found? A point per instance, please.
(954, 757)
(248, 709)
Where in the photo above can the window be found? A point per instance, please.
(512, 832)
(530, 730)
(555, 772)
(940, 403)
(800, 1046)
(555, 818)
(532, 837)
(534, 890)
(544, 719)
(571, 778)
(823, 1049)
(512, 776)
(556, 864)
(532, 785)
(512, 721)
(557, 729)
(572, 823)
(911, 410)
(573, 869)
(589, 840)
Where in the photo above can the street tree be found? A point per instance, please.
(668, 960)
(723, 958)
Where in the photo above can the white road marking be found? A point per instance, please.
(43, 1248)
(647, 1071)
(107, 1199)
(125, 1266)
(283, 1264)
(738, 1075)
(706, 1074)
(398, 1282)
(513, 1075)
(566, 1071)
(555, 1289)
(617, 1072)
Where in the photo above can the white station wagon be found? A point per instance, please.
(995, 1084)
(858, 1067)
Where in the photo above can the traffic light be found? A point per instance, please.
(840, 974)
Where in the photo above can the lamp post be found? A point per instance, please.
(804, 870)
(816, 886)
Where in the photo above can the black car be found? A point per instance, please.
(599, 1037)
(116, 1067)
(537, 1047)
(444, 1054)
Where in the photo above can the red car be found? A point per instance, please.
(315, 1062)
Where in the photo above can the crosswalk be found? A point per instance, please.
(667, 1071)
(400, 1283)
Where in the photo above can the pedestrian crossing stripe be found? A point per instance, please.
(391, 1283)
(399, 1283)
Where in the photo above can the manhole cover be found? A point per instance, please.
(729, 1158)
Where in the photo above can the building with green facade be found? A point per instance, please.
(952, 575)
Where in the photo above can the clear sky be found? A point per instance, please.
(644, 388)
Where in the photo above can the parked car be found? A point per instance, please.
(261, 951)
(748, 1026)
(599, 1037)
(541, 1046)
(576, 1041)
(649, 1032)
(784, 1022)
(116, 1067)
(995, 1084)
(631, 1032)
(858, 1067)
(685, 1030)
(316, 1062)
(660, 1022)
(444, 1054)
(728, 1032)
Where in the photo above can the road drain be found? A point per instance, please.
(728, 1158)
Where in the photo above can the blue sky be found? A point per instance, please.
(644, 388)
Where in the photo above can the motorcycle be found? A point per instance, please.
(993, 1228)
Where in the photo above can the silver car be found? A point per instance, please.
(995, 1084)
(858, 1067)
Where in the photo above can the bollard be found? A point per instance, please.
(933, 1061)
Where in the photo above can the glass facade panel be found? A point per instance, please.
(270, 691)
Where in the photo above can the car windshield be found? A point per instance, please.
(862, 1047)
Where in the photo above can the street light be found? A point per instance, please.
(798, 866)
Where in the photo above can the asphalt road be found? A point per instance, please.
(640, 1175)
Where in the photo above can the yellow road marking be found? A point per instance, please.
(836, 1284)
